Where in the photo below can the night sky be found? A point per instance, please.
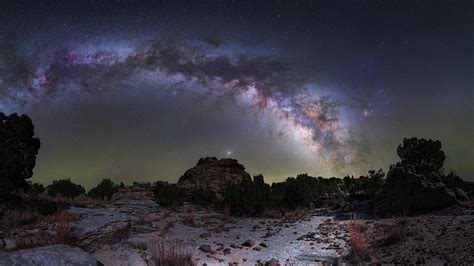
(135, 91)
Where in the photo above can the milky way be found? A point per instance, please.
(257, 82)
(142, 91)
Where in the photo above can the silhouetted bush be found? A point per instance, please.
(424, 155)
(18, 150)
(65, 188)
(203, 197)
(167, 194)
(104, 190)
(368, 185)
(453, 181)
(36, 188)
(249, 198)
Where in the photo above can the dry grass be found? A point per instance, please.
(14, 218)
(361, 250)
(395, 233)
(63, 223)
(170, 253)
(40, 236)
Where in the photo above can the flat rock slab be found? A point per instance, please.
(96, 224)
(56, 255)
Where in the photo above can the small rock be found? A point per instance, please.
(205, 248)
(226, 251)
(263, 245)
(272, 262)
(257, 248)
(248, 243)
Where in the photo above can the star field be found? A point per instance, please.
(139, 91)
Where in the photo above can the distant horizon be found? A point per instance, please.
(268, 179)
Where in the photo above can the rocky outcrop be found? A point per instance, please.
(96, 226)
(405, 190)
(211, 174)
(48, 255)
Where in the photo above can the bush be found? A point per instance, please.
(167, 194)
(36, 188)
(18, 150)
(249, 198)
(104, 190)
(297, 193)
(203, 197)
(65, 188)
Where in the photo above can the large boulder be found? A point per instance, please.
(211, 174)
(48, 255)
(406, 190)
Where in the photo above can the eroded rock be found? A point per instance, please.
(211, 174)
(48, 255)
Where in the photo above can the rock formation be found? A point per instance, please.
(415, 183)
(405, 190)
(48, 255)
(211, 174)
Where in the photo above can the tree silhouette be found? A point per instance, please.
(421, 153)
(18, 150)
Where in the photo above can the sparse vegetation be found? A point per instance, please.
(170, 253)
(12, 218)
(65, 188)
(361, 250)
(167, 194)
(63, 223)
(104, 190)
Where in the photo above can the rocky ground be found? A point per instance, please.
(440, 237)
(128, 230)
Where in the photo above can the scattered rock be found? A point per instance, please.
(205, 248)
(272, 262)
(248, 243)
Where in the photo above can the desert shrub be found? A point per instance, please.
(18, 150)
(297, 193)
(453, 181)
(104, 190)
(165, 254)
(373, 182)
(361, 250)
(203, 197)
(36, 188)
(249, 197)
(65, 188)
(167, 194)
